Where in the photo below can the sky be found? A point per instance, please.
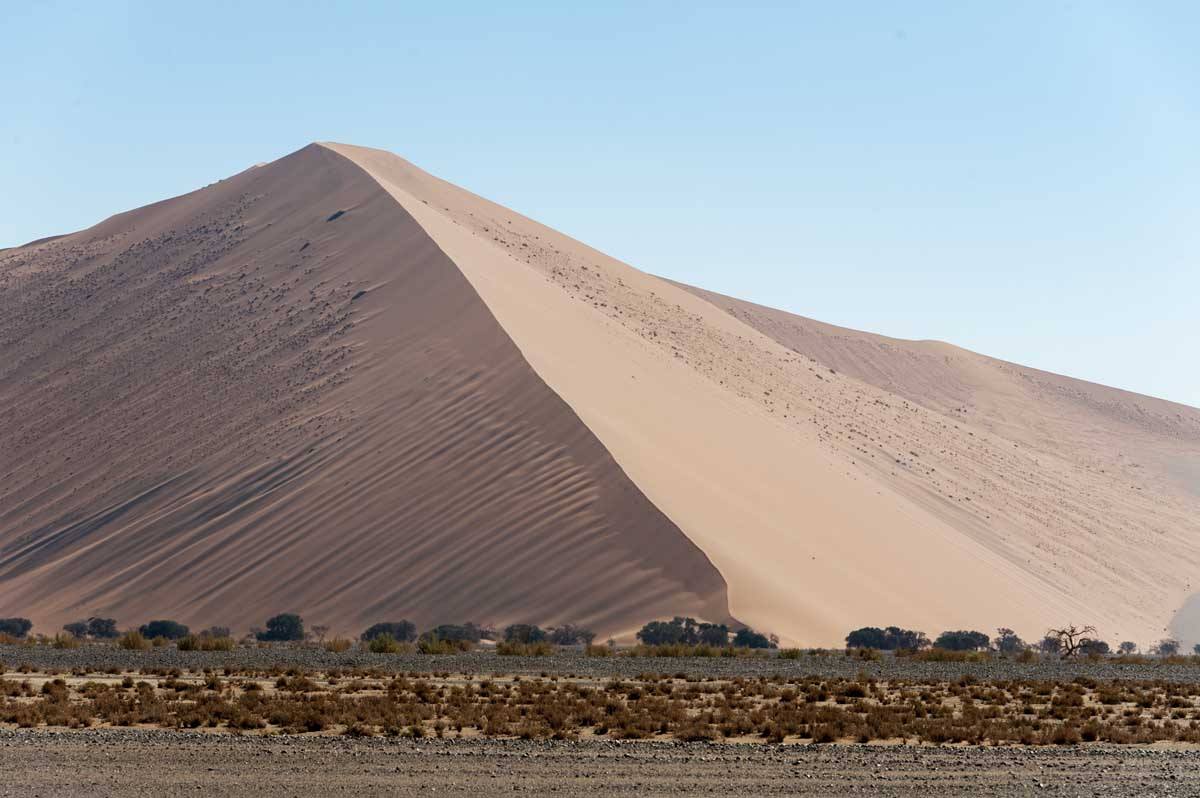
(1021, 179)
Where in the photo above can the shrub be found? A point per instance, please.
(1127, 647)
(523, 633)
(515, 649)
(435, 645)
(337, 645)
(790, 653)
(961, 641)
(683, 631)
(748, 638)
(401, 631)
(383, 644)
(76, 628)
(1007, 641)
(467, 632)
(1166, 647)
(102, 628)
(286, 626)
(570, 635)
(15, 627)
(171, 630)
(890, 639)
(202, 642)
(216, 631)
(133, 640)
(1050, 644)
(62, 640)
(1093, 648)
(593, 650)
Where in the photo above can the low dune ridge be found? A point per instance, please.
(339, 385)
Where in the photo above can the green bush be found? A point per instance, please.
(102, 628)
(893, 638)
(748, 638)
(467, 632)
(514, 649)
(284, 627)
(570, 635)
(435, 645)
(76, 628)
(962, 640)
(400, 631)
(683, 631)
(134, 641)
(383, 644)
(171, 630)
(523, 633)
(15, 627)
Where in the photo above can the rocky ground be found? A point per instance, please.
(107, 762)
(98, 658)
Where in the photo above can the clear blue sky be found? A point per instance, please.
(1022, 179)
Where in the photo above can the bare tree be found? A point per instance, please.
(1071, 638)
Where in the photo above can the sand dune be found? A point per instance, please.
(239, 401)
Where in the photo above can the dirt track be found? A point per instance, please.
(137, 763)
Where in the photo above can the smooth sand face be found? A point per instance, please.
(825, 502)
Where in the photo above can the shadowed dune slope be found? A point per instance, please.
(278, 394)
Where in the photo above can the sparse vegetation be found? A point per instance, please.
(15, 627)
(539, 648)
(171, 630)
(467, 632)
(1069, 640)
(808, 709)
(282, 628)
(683, 631)
(431, 644)
(399, 631)
(570, 635)
(384, 644)
(204, 642)
(1167, 647)
(962, 641)
(748, 638)
(523, 633)
(102, 628)
(133, 640)
(1008, 642)
(892, 638)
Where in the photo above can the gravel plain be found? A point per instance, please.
(109, 762)
(54, 762)
(566, 662)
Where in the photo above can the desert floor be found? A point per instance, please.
(155, 763)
